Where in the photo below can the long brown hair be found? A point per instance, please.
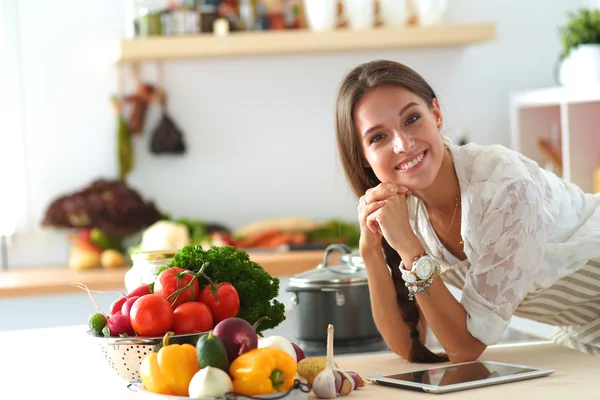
(360, 80)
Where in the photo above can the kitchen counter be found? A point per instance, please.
(46, 280)
(65, 362)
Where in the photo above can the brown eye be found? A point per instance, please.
(412, 119)
(377, 138)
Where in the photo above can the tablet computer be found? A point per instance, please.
(461, 376)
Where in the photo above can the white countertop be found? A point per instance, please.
(66, 363)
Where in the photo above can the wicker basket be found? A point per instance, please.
(125, 355)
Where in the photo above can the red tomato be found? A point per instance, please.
(173, 279)
(151, 315)
(192, 317)
(223, 301)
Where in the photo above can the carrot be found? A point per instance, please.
(256, 238)
(299, 239)
(283, 238)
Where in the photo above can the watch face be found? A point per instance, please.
(424, 267)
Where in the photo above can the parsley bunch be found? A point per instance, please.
(256, 288)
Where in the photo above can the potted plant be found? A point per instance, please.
(580, 39)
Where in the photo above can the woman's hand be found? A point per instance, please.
(369, 239)
(383, 210)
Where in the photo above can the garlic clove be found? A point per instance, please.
(359, 382)
(350, 380)
(347, 384)
(338, 381)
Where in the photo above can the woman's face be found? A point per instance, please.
(400, 136)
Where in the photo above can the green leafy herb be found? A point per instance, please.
(583, 27)
(256, 288)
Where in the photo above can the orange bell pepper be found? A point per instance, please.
(170, 370)
(266, 370)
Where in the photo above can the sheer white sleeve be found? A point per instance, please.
(512, 234)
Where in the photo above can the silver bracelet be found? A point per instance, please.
(420, 277)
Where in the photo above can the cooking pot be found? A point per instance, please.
(337, 295)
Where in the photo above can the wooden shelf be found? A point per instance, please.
(556, 96)
(299, 41)
(49, 280)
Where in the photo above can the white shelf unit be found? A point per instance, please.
(569, 115)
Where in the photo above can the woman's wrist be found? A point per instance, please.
(372, 255)
(409, 251)
(408, 245)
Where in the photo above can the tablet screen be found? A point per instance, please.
(453, 374)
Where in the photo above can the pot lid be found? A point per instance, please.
(351, 271)
(353, 258)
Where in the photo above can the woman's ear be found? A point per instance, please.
(437, 113)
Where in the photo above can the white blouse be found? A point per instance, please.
(523, 229)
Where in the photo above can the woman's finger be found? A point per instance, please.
(371, 212)
(367, 211)
(372, 224)
(371, 207)
(383, 191)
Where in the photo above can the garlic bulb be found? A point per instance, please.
(332, 381)
(324, 384)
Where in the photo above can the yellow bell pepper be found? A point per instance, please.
(170, 370)
(266, 370)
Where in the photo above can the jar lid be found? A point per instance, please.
(351, 272)
(154, 255)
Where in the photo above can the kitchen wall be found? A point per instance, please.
(259, 130)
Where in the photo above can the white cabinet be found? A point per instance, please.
(569, 119)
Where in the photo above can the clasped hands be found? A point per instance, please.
(383, 210)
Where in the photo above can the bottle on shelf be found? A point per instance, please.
(247, 14)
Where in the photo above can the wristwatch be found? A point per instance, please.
(419, 278)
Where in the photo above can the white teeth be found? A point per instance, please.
(412, 162)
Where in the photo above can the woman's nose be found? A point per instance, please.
(402, 143)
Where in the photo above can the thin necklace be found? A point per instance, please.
(452, 223)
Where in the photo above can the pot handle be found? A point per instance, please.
(340, 299)
(342, 247)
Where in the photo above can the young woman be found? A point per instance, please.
(517, 239)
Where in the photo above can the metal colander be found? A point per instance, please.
(125, 355)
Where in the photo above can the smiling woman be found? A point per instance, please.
(515, 238)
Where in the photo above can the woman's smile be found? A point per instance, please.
(412, 163)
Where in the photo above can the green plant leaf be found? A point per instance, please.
(582, 27)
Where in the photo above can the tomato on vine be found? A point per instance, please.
(222, 299)
(177, 286)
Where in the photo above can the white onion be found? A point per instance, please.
(210, 382)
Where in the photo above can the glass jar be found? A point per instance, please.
(144, 17)
(145, 267)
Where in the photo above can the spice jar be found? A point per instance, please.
(145, 267)
(148, 14)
